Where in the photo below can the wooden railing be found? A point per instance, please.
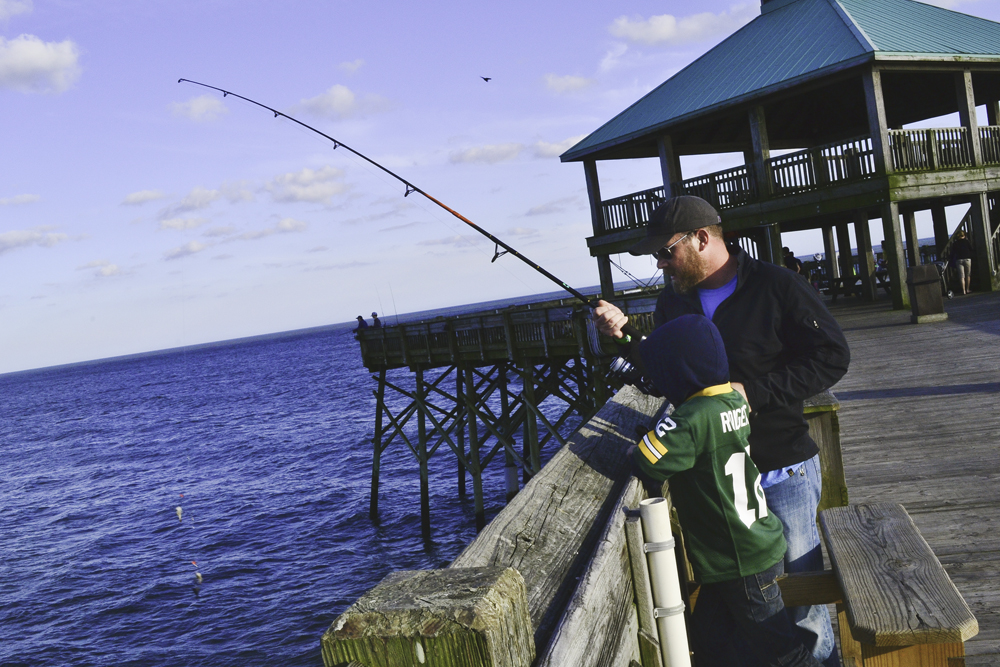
(631, 211)
(816, 167)
(989, 142)
(723, 189)
(555, 330)
(929, 149)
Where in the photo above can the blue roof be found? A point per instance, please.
(797, 41)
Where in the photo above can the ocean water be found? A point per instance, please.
(265, 446)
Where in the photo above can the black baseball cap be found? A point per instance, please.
(678, 214)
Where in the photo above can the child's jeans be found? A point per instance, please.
(746, 614)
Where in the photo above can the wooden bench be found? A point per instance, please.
(896, 605)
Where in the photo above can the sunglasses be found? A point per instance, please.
(667, 252)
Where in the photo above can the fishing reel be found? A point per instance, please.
(623, 370)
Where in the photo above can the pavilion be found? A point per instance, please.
(830, 85)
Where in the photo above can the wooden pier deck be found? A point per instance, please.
(920, 425)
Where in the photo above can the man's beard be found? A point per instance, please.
(689, 273)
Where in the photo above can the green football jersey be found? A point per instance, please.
(702, 449)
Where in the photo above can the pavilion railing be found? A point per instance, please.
(989, 140)
(723, 189)
(931, 148)
(631, 211)
(822, 165)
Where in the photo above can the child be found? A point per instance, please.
(735, 546)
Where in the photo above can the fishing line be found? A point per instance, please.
(410, 188)
(638, 282)
(394, 312)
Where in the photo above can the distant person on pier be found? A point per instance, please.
(377, 323)
(791, 261)
(961, 257)
(735, 545)
(361, 324)
(783, 347)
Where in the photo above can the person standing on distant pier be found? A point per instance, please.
(783, 346)
(376, 322)
(961, 256)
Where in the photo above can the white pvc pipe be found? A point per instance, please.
(667, 600)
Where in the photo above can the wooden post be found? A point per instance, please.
(474, 617)
(460, 413)
(510, 465)
(597, 221)
(829, 249)
(866, 259)
(993, 112)
(941, 235)
(533, 454)
(422, 456)
(474, 459)
(982, 273)
(967, 112)
(892, 249)
(912, 243)
(668, 163)
(761, 153)
(377, 446)
(846, 256)
(877, 125)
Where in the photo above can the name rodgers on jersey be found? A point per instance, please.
(734, 419)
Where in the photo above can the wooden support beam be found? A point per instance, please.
(912, 243)
(460, 431)
(846, 256)
(377, 447)
(533, 451)
(892, 250)
(982, 236)
(668, 163)
(967, 112)
(941, 234)
(877, 125)
(761, 153)
(474, 459)
(993, 112)
(830, 252)
(597, 222)
(866, 258)
(423, 457)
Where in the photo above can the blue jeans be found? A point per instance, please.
(731, 617)
(795, 501)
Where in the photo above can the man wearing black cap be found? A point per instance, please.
(783, 346)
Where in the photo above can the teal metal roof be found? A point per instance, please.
(797, 41)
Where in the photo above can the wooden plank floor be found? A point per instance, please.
(920, 425)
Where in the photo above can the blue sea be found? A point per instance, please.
(265, 446)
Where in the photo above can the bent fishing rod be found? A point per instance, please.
(628, 329)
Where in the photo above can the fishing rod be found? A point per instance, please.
(628, 329)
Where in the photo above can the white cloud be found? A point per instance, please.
(9, 8)
(199, 198)
(31, 237)
(567, 84)
(190, 248)
(339, 102)
(219, 231)
(612, 57)
(308, 185)
(522, 231)
(545, 149)
(182, 223)
(29, 65)
(141, 197)
(556, 206)
(285, 226)
(19, 199)
(459, 241)
(487, 154)
(105, 269)
(668, 29)
(351, 67)
(201, 108)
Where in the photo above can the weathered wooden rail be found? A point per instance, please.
(550, 580)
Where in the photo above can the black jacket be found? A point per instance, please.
(783, 345)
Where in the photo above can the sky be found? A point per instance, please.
(139, 214)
